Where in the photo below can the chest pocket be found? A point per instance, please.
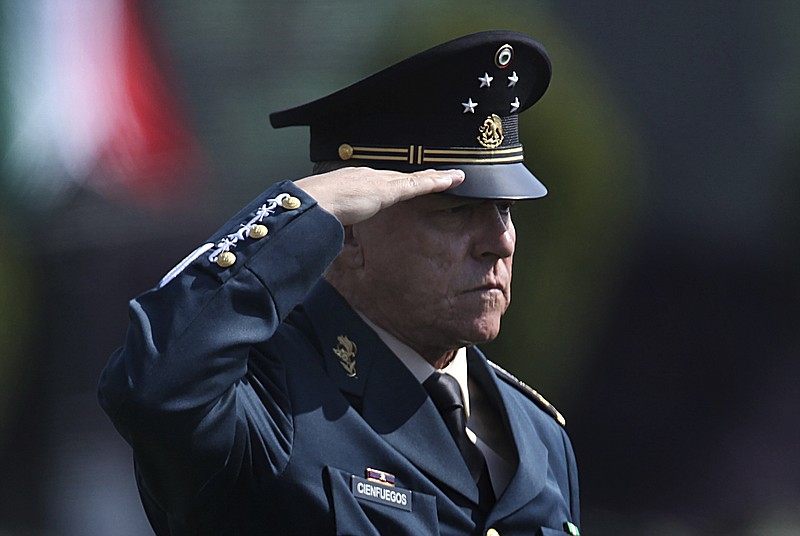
(357, 516)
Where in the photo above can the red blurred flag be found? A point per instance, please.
(149, 152)
(90, 103)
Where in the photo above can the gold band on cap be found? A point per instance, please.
(417, 154)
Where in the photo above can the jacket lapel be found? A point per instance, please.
(531, 473)
(383, 390)
(399, 409)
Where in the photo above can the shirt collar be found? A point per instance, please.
(417, 364)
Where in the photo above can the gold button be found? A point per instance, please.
(291, 203)
(492, 532)
(258, 231)
(345, 151)
(226, 259)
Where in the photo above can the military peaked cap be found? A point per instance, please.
(452, 106)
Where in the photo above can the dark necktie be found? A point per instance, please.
(446, 395)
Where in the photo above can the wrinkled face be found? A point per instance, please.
(436, 270)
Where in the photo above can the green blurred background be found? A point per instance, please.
(655, 289)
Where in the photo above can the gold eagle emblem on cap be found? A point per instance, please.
(346, 352)
(491, 132)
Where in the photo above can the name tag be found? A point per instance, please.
(379, 493)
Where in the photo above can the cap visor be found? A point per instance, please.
(499, 181)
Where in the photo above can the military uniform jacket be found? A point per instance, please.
(248, 415)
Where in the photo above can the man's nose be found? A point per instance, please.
(494, 233)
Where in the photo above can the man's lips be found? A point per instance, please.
(485, 287)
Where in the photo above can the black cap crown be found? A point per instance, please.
(453, 106)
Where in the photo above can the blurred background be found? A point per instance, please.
(656, 287)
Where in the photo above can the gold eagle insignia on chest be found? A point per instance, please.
(346, 352)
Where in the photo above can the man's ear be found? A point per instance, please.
(352, 255)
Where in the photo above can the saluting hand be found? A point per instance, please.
(357, 193)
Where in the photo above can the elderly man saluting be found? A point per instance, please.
(311, 369)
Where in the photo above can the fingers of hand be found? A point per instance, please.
(355, 194)
(425, 182)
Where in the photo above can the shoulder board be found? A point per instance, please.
(528, 391)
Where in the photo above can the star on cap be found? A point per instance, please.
(513, 79)
(486, 80)
(469, 106)
(515, 105)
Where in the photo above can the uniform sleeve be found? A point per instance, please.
(178, 390)
(572, 474)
